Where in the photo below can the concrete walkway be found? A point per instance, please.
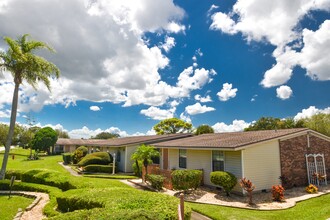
(69, 169)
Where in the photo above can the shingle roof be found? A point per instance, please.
(150, 139)
(230, 140)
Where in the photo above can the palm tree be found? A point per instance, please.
(23, 64)
(144, 153)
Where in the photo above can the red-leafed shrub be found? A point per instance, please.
(278, 193)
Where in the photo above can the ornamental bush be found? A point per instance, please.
(224, 179)
(67, 158)
(311, 188)
(93, 168)
(278, 193)
(47, 177)
(79, 153)
(17, 173)
(186, 179)
(157, 181)
(101, 158)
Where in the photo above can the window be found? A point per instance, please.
(118, 156)
(182, 158)
(218, 162)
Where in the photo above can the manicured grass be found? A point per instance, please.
(10, 206)
(22, 163)
(316, 208)
(92, 198)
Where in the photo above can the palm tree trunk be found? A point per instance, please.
(11, 132)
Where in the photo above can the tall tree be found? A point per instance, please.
(62, 134)
(172, 126)
(106, 135)
(204, 129)
(24, 65)
(44, 139)
(145, 154)
(319, 122)
(270, 123)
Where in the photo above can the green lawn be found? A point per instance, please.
(92, 190)
(10, 206)
(316, 208)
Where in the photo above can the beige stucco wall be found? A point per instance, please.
(261, 164)
(128, 162)
(233, 164)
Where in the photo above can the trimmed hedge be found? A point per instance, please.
(67, 158)
(98, 168)
(47, 177)
(157, 181)
(117, 202)
(224, 179)
(17, 173)
(101, 158)
(186, 179)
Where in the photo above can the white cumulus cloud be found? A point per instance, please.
(203, 99)
(308, 112)
(168, 44)
(227, 92)
(237, 125)
(157, 113)
(284, 92)
(276, 22)
(198, 109)
(94, 108)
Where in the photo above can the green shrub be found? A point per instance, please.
(157, 181)
(101, 158)
(186, 179)
(79, 153)
(75, 203)
(17, 173)
(224, 179)
(47, 177)
(117, 202)
(98, 168)
(67, 158)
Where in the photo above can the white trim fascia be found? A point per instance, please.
(199, 148)
(319, 135)
(125, 164)
(242, 166)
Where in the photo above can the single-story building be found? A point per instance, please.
(260, 156)
(122, 147)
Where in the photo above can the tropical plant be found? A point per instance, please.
(20, 60)
(278, 193)
(172, 126)
(204, 129)
(145, 154)
(44, 139)
(224, 179)
(311, 188)
(248, 186)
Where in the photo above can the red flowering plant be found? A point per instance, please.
(278, 193)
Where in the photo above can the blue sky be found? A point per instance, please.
(128, 64)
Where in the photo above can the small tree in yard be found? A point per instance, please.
(224, 179)
(44, 139)
(248, 186)
(144, 153)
